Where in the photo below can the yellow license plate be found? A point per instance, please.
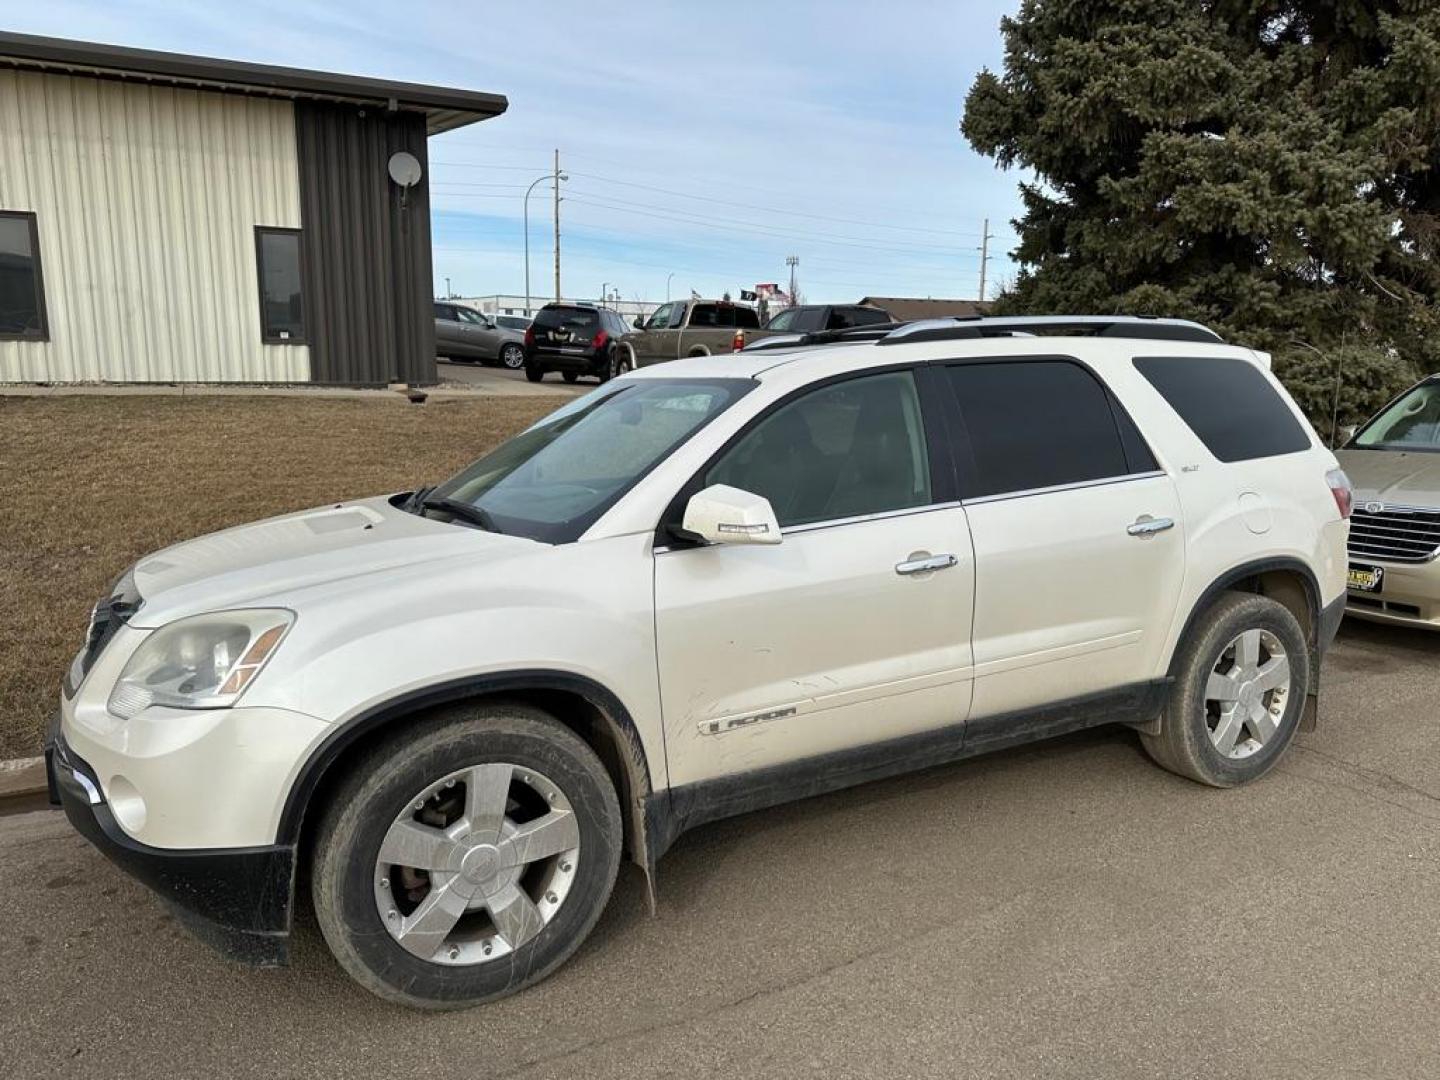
(1365, 578)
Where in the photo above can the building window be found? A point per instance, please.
(22, 288)
(282, 307)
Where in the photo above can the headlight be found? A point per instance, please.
(204, 662)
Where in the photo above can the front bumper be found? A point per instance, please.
(239, 900)
(1408, 596)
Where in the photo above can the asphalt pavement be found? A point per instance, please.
(1064, 910)
(498, 380)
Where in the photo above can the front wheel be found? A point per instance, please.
(533, 373)
(571, 376)
(1236, 701)
(466, 857)
(512, 357)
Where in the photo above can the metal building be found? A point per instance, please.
(169, 218)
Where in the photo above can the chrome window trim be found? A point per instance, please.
(879, 515)
(1077, 485)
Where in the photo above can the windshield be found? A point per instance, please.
(553, 481)
(1411, 422)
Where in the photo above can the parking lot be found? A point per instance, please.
(1065, 910)
(498, 380)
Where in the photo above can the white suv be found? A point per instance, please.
(704, 588)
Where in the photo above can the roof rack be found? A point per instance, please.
(969, 327)
(1147, 327)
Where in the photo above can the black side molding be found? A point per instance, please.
(296, 803)
(668, 814)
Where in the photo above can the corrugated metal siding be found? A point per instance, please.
(147, 200)
(366, 256)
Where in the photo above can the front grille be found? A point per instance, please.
(1401, 534)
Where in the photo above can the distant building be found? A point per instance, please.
(169, 218)
(908, 308)
(504, 304)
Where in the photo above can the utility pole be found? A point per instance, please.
(984, 255)
(792, 261)
(557, 225)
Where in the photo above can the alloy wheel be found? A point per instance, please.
(513, 357)
(1246, 693)
(477, 864)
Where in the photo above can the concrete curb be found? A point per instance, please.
(22, 784)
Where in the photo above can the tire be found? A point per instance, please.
(512, 357)
(625, 361)
(1196, 720)
(348, 880)
(570, 376)
(533, 373)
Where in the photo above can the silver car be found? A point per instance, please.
(462, 333)
(1394, 464)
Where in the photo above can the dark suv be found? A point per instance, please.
(812, 317)
(573, 339)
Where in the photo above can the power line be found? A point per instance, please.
(754, 229)
(924, 229)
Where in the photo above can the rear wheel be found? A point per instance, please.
(512, 357)
(466, 857)
(1237, 698)
(534, 373)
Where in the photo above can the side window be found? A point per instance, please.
(22, 290)
(704, 316)
(810, 319)
(441, 311)
(282, 306)
(863, 316)
(677, 316)
(783, 321)
(843, 450)
(1040, 423)
(746, 319)
(1228, 403)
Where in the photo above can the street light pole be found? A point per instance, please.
(538, 180)
(668, 279)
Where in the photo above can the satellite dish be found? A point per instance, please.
(405, 168)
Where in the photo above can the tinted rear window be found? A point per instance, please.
(574, 318)
(1228, 403)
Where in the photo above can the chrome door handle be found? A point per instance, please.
(1145, 525)
(925, 565)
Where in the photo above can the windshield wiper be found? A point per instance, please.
(464, 511)
(416, 498)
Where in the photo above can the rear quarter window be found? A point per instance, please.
(1228, 403)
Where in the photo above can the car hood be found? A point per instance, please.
(1395, 477)
(267, 563)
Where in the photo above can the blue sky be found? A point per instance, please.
(706, 142)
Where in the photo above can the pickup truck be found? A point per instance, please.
(706, 327)
(688, 328)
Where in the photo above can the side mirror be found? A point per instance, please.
(721, 514)
(640, 322)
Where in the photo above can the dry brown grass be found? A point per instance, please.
(90, 484)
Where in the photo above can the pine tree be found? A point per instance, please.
(1268, 168)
